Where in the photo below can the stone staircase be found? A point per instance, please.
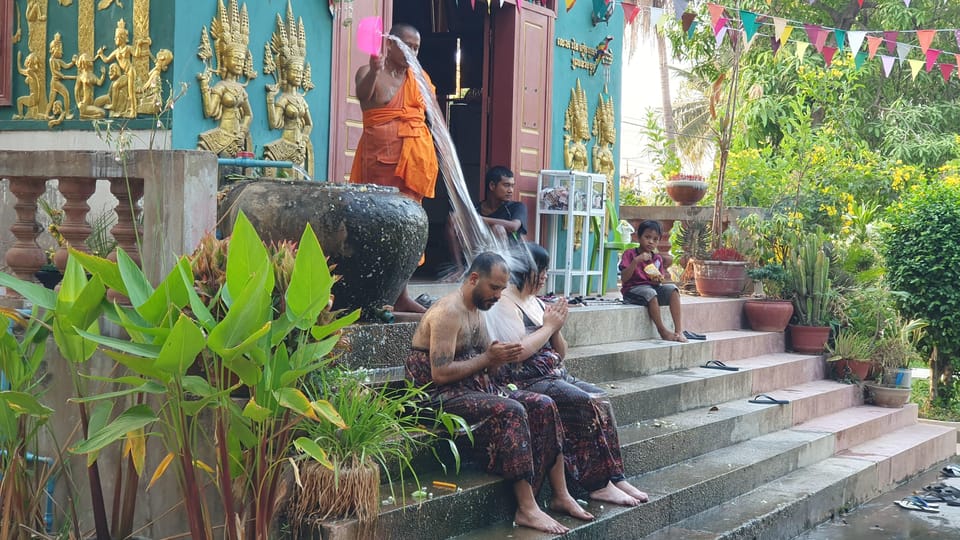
(715, 466)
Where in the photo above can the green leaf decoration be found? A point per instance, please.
(326, 409)
(309, 291)
(247, 258)
(255, 412)
(132, 419)
(181, 348)
(22, 403)
(312, 449)
(105, 269)
(34, 292)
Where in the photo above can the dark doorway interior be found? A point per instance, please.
(442, 25)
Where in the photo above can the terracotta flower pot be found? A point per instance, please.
(859, 369)
(887, 396)
(768, 315)
(720, 278)
(686, 192)
(809, 339)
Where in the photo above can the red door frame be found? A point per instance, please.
(6, 52)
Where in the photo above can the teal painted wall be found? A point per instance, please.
(578, 25)
(188, 120)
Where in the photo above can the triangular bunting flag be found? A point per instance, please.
(887, 62)
(925, 37)
(716, 12)
(956, 56)
(720, 34)
(915, 66)
(873, 43)
(932, 55)
(860, 2)
(630, 12)
(802, 49)
(890, 39)
(679, 6)
(749, 20)
(519, 4)
(785, 36)
(693, 26)
(902, 51)
(906, 3)
(812, 32)
(859, 59)
(688, 19)
(774, 45)
(570, 4)
(855, 38)
(956, 34)
(721, 25)
(946, 70)
(840, 36)
(779, 24)
(331, 7)
(828, 53)
(655, 15)
(821, 39)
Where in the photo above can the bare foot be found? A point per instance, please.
(612, 494)
(568, 505)
(407, 304)
(628, 488)
(678, 336)
(539, 520)
(671, 336)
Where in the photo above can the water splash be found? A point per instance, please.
(302, 172)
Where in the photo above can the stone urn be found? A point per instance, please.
(373, 235)
(686, 189)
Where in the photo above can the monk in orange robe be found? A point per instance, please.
(396, 148)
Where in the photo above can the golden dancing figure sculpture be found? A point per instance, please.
(577, 131)
(151, 98)
(286, 107)
(83, 89)
(124, 55)
(30, 107)
(57, 88)
(605, 134)
(227, 100)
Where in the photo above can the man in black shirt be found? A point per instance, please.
(505, 217)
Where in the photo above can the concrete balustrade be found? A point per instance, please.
(166, 202)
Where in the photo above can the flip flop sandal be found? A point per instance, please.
(717, 364)
(917, 503)
(693, 335)
(951, 471)
(764, 399)
(943, 489)
(941, 498)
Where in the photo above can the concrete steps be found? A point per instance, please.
(715, 465)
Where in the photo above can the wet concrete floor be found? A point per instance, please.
(882, 519)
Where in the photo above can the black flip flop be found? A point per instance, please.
(693, 335)
(764, 399)
(951, 471)
(717, 364)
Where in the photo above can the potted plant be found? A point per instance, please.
(768, 310)
(850, 355)
(722, 274)
(686, 189)
(387, 425)
(808, 269)
(893, 355)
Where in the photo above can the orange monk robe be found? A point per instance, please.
(396, 148)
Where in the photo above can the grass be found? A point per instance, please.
(920, 392)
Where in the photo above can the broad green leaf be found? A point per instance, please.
(171, 292)
(247, 258)
(74, 344)
(140, 349)
(199, 309)
(296, 401)
(311, 352)
(22, 403)
(326, 409)
(255, 412)
(198, 386)
(248, 371)
(148, 387)
(320, 332)
(309, 291)
(181, 348)
(34, 292)
(105, 269)
(249, 313)
(312, 449)
(97, 419)
(137, 285)
(249, 343)
(134, 418)
(137, 364)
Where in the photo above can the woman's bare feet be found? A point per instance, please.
(628, 488)
(535, 518)
(614, 495)
(568, 505)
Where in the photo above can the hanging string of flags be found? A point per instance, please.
(726, 21)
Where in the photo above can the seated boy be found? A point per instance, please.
(642, 274)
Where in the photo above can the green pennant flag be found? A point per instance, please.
(841, 36)
(859, 59)
(693, 26)
(749, 20)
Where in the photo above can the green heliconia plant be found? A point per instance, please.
(808, 266)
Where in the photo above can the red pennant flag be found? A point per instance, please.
(821, 39)
(828, 53)
(925, 37)
(890, 37)
(630, 12)
(720, 25)
(946, 70)
(860, 2)
(932, 55)
(873, 43)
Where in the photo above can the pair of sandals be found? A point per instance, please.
(918, 503)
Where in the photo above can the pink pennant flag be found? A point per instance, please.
(520, 3)
(821, 39)
(956, 57)
(890, 37)
(716, 12)
(873, 43)
(812, 32)
(630, 12)
(925, 37)
(932, 55)
(915, 66)
(860, 2)
(946, 70)
(956, 34)
(887, 62)
(721, 25)
(828, 53)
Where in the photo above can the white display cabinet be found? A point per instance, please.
(570, 206)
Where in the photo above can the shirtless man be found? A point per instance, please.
(396, 147)
(518, 434)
